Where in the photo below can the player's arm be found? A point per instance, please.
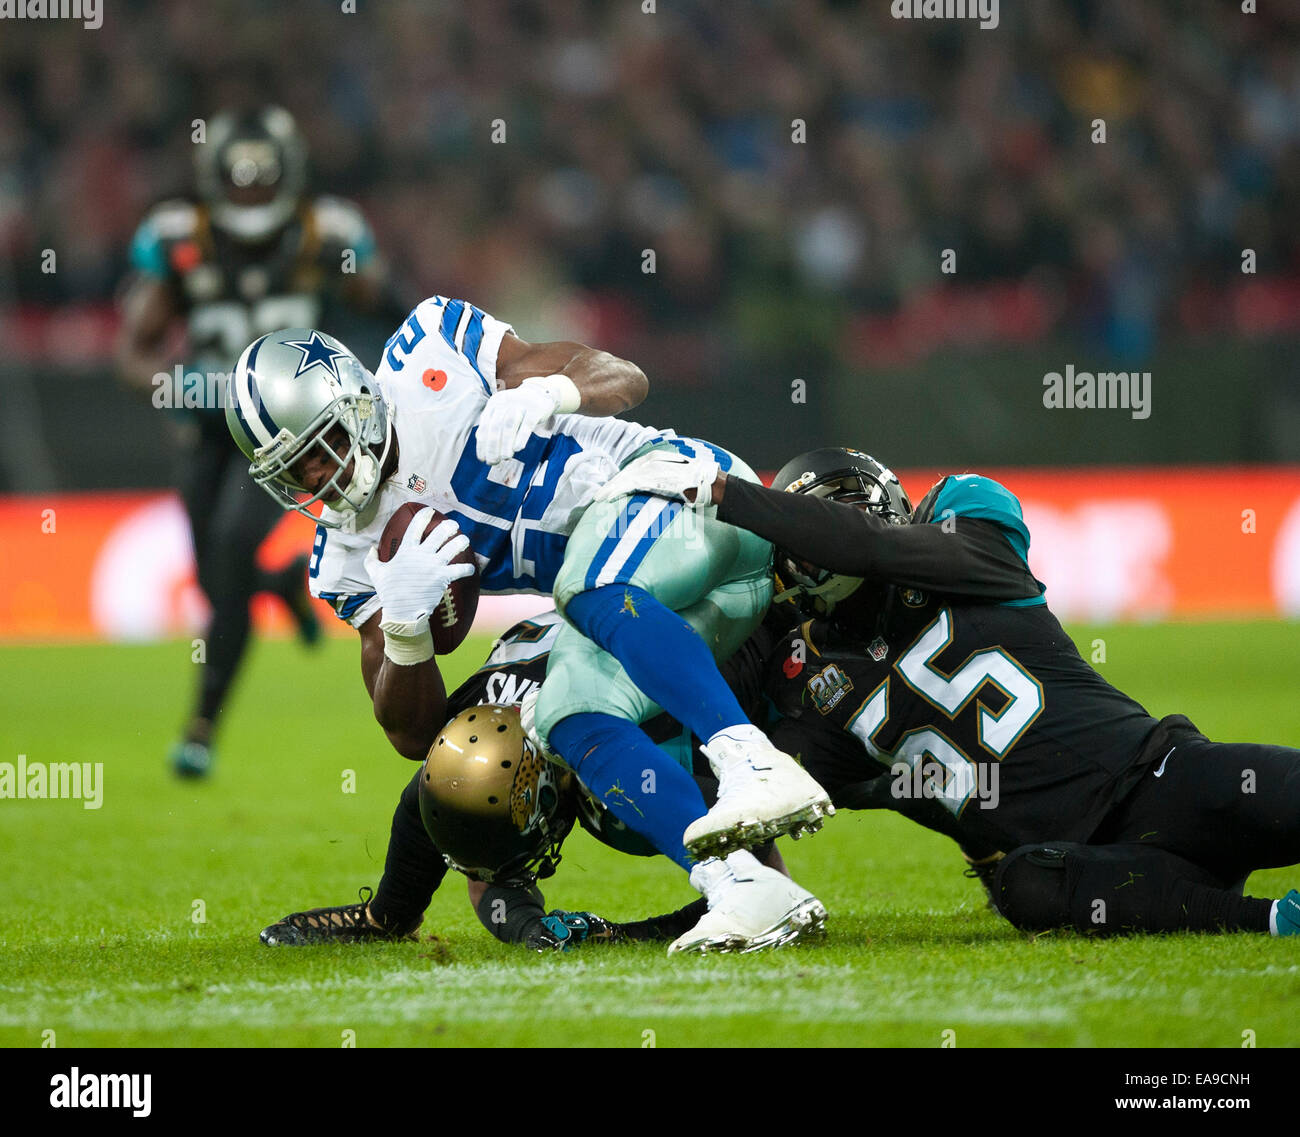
(603, 383)
(143, 347)
(514, 915)
(519, 916)
(980, 549)
(410, 700)
(537, 381)
(349, 255)
(967, 556)
(964, 555)
(397, 657)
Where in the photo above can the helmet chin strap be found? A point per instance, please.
(365, 473)
(835, 585)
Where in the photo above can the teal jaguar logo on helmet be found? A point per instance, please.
(298, 390)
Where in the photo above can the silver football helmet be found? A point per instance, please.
(252, 170)
(297, 389)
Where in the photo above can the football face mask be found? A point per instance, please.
(851, 478)
(251, 172)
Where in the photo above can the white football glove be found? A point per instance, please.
(510, 417)
(412, 584)
(665, 473)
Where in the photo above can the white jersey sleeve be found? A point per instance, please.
(437, 373)
(337, 574)
(454, 326)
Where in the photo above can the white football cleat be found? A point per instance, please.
(751, 907)
(762, 793)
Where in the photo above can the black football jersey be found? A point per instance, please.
(987, 710)
(231, 292)
(954, 684)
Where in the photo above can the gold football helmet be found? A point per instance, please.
(497, 810)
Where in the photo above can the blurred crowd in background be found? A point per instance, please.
(672, 131)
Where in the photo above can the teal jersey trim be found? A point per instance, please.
(1027, 602)
(147, 254)
(973, 495)
(364, 248)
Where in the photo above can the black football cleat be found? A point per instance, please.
(348, 924)
(984, 870)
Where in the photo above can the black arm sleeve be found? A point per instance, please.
(667, 927)
(970, 558)
(511, 914)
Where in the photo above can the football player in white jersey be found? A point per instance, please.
(510, 441)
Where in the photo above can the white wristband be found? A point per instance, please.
(407, 644)
(568, 399)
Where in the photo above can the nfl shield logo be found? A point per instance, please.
(417, 483)
(878, 649)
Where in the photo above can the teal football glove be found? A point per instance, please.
(563, 931)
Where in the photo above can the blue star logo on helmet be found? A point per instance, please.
(316, 351)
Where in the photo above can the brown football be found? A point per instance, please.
(454, 616)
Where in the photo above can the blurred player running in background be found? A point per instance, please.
(252, 253)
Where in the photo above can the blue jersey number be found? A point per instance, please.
(404, 340)
(317, 551)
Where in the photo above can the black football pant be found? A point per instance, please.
(229, 518)
(1175, 854)
(413, 867)
(1230, 808)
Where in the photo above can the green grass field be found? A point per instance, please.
(99, 940)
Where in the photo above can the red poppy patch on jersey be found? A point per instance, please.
(792, 666)
(185, 256)
(435, 380)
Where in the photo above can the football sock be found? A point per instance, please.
(413, 868)
(1284, 915)
(661, 653)
(628, 774)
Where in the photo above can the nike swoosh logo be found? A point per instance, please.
(1161, 768)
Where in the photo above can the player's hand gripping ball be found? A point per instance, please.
(426, 570)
